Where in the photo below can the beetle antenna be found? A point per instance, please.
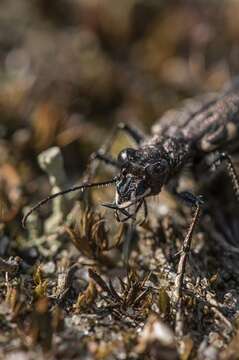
(63, 192)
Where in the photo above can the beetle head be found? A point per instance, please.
(143, 173)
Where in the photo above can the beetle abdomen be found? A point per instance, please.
(208, 123)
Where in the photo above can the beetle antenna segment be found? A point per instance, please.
(63, 192)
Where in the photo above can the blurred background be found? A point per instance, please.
(70, 69)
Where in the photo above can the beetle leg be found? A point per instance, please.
(190, 199)
(219, 159)
(145, 211)
(178, 295)
(102, 153)
(134, 133)
(106, 158)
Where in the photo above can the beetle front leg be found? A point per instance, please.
(189, 198)
(186, 196)
(134, 133)
(184, 254)
(103, 153)
(106, 158)
(195, 203)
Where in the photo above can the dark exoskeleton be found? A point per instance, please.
(204, 125)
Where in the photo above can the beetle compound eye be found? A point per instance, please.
(126, 156)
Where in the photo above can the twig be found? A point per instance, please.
(11, 265)
(64, 282)
(214, 305)
(181, 272)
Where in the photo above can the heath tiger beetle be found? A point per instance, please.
(205, 125)
(204, 129)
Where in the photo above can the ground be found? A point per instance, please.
(76, 284)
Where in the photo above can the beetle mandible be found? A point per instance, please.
(205, 125)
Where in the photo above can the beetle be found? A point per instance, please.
(203, 126)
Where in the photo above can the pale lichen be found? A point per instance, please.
(51, 162)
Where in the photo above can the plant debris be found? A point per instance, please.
(75, 284)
